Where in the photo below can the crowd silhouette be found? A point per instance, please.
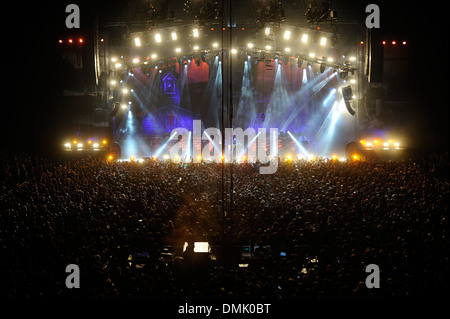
(322, 222)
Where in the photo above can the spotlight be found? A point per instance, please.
(215, 45)
(287, 35)
(196, 47)
(136, 60)
(268, 47)
(233, 51)
(287, 49)
(195, 33)
(323, 41)
(153, 56)
(95, 145)
(174, 36)
(123, 106)
(267, 31)
(178, 50)
(250, 45)
(158, 37)
(137, 42)
(312, 55)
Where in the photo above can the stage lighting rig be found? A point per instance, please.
(317, 12)
(204, 10)
(268, 12)
(164, 13)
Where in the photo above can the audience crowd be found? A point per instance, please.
(124, 224)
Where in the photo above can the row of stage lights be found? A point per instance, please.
(344, 67)
(379, 144)
(287, 159)
(194, 48)
(393, 42)
(71, 41)
(195, 33)
(215, 45)
(89, 145)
